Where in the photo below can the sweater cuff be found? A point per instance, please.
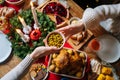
(90, 18)
(26, 62)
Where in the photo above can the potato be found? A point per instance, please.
(33, 73)
(53, 61)
(82, 55)
(69, 51)
(54, 55)
(101, 77)
(57, 69)
(78, 74)
(52, 67)
(83, 61)
(106, 70)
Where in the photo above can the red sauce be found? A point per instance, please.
(94, 44)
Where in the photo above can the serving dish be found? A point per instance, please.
(81, 39)
(68, 62)
(74, 20)
(56, 39)
(102, 71)
(108, 71)
(38, 71)
(56, 11)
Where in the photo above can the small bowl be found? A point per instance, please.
(57, 39)
(73, 20)
(15, 2)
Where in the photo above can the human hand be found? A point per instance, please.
(42, 51)
(71, 29)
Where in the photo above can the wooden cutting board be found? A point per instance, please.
(79, 44)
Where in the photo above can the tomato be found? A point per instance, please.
(35, 34)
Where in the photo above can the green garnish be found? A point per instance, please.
(20, 48)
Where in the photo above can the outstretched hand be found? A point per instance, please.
(42, 51)
(71, 29)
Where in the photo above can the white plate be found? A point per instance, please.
(5, 47)
(110, 48)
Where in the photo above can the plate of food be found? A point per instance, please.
(5, 47)
(102, 71)
(107, 73)
(77, 41)
(69, 63)
(38, 71)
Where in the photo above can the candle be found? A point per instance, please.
(22, 21)
(34, 13)
(24, 38)
(27, 28)
(20, 33)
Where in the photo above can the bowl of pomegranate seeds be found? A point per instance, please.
(15, 2)
(56, 11)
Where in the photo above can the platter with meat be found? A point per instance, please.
(77, 41)
(69, 63)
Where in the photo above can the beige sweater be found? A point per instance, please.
(106, 15)
(91, 18)
(20, 70)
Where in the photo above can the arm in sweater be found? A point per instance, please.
(92, 17)
(22, 68)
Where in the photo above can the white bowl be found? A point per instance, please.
(55, 32)
(74, 20)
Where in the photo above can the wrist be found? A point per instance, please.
(81, 27)
(32, 56)
(84, 28)
(84, 25)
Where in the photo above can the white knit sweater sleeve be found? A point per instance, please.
(20, 70)
(92, 17)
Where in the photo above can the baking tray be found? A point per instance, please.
(67, 75)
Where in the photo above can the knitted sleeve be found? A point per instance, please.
(92, 17)
(19, 71)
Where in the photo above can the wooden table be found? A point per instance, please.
(75, 10)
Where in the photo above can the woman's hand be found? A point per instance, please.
(71, 29)
(42, 51)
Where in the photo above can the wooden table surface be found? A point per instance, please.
(75, 10)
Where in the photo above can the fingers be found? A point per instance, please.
(45, 41)
(63, 29)
(67, 37)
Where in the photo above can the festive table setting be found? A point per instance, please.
(28, 23)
